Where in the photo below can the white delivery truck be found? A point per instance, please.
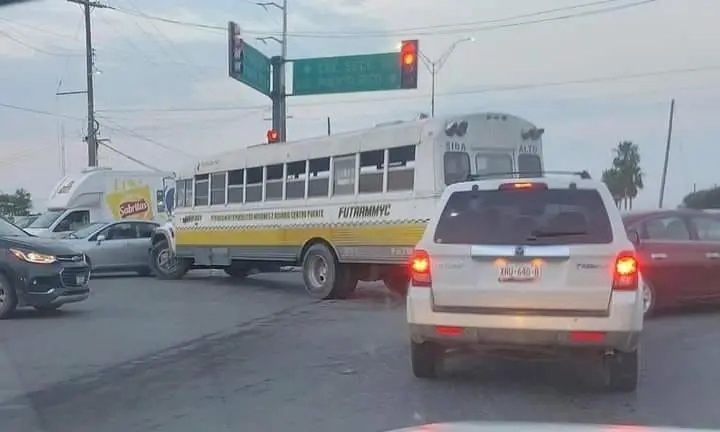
(101, 194)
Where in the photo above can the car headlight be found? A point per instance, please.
(33, 257)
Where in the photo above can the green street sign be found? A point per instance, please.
(247, 64)
(346, 74)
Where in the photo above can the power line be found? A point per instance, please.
(469, 91)
(38, 49)
(38, 111)
(113, 50)
(127, 156)
(117, 127)
(439, 29)
(495, 20)
(171, 48)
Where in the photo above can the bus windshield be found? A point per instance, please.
(487, 164)
(46, 219)
(456, 166)
(529, 164)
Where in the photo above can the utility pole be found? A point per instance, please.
(667, 153)
(92, 126)
(279, 93)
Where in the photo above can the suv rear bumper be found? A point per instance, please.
(619, 329)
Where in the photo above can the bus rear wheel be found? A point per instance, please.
(237, 271)
(325, 278)
(397, 282)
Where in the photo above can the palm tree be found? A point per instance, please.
(630, 176)
(611, 178)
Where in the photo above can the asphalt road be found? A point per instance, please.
(209, 354)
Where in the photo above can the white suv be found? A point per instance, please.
(527, 264)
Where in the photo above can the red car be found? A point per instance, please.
(678, 255)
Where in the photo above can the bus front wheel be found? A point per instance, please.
(165, 264)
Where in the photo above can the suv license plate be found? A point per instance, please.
(518, 273)
(80, 279)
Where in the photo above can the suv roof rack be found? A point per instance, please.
(582, 174)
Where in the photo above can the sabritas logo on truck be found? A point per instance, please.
(131, 208)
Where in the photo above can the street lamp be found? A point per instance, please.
(434, 66)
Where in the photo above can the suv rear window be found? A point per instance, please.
(510, 217)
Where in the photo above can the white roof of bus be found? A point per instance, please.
(380, 136)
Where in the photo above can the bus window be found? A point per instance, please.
(180, 192)
(319, 177)
(530, 165)
(456, 166)
(487, 164)
(401, 168)
(344, 175)
(254, 186)
(370, 179)
(189, 192)
(295, 180)
(236, 181)
(202, 189)
(273, 182)
(217, 188)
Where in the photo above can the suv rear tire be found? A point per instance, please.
(426, 359)
(623, 371)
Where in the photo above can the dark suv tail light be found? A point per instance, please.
(625, 272)
(420, 268)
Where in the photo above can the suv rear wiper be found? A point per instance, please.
(545, 234)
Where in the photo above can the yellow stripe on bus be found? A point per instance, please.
(367, 235)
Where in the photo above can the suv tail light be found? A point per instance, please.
(420, 268)
(625, 272)
(523, 186)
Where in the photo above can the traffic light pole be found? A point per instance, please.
(278, 95)
(283, 89)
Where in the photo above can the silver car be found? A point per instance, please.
(116, 246)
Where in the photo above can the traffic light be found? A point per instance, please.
(272, 136)
(409, 64)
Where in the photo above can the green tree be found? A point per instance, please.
(629, 173)
(15, 204)
(703, 199)
(611, 177)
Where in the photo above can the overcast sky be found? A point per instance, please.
(163, 94)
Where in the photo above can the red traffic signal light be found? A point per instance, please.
(272, 136)
(408, 64)
(408, 53)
